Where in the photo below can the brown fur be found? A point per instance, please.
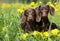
(42, 21)
(27, 19)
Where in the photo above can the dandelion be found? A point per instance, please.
(56, 7)
(20, 10)
(52, 5)
(35, 33)
(48, 3)
(4, 29)
(32, 4)
(55, 3)
(24, 36)
(45, 34)
(23, 6)
(55, 32)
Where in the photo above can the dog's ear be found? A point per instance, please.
(34, 12)
(22, 17)
(38, 15)
(51, 10)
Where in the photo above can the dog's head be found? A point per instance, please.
(29, 15)
(42, 11)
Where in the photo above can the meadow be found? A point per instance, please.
(10, 29)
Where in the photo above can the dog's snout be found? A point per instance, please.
(44, 14)
(38, 19)
(30, 17)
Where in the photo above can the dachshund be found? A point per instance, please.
(27, 20)
(42, 21)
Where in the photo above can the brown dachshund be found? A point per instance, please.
(27, 20)
(42, 21)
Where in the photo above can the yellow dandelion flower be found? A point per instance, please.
(48, 3)
(35, 33)
(45, 34)
(32, 4)
(55, 32)
(20, 10)
(56, 7)
(55, 3)
(23, 6)
(24, 36)
(4, 29)
(52, 5)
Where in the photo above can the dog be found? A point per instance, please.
(42, 21)
(27, 19)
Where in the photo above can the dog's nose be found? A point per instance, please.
(30, 17)
(44, 14)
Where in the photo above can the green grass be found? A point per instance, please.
(9, 18)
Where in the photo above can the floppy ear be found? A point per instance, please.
(51, 10)
(35, 13)
(22, 17)
(38, 16)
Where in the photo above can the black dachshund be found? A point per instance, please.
(42, 21)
